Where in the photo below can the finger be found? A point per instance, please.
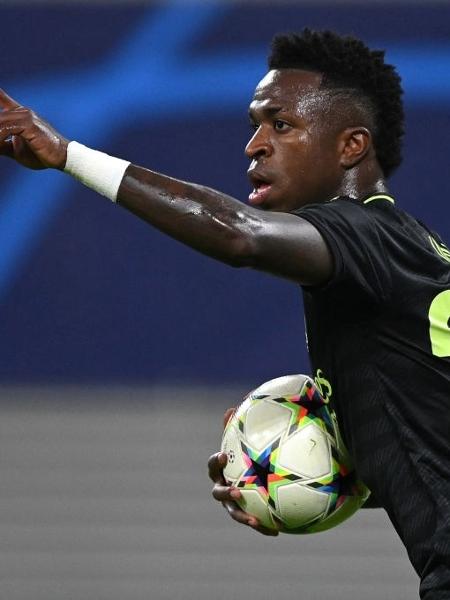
(227, 416)
(13, 122)
(6, 148)
(9, 130)
(225, 493)
(216, 465)
(254, 523)
(15, 117)
(239, 515)
(6, 101)
(264, 530)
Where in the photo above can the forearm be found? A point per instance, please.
(205, 219)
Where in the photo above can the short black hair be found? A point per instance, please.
(347, 63)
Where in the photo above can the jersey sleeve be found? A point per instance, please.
(355, 240)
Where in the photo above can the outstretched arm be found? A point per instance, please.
(207, 220)
(224, 228)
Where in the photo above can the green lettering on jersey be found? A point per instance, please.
(324, 385)
(439, 316)
(440, 248)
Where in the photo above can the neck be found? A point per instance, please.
(362, 182)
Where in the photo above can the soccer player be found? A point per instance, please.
(328, 127)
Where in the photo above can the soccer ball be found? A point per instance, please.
(287, 458)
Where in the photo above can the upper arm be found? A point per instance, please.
(288, 246)
(224, 228)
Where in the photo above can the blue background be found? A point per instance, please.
(90, 294)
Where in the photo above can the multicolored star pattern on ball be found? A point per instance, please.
(264, 473)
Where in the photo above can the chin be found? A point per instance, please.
(274, 205)
(279, 207)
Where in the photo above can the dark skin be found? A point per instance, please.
(306, 148)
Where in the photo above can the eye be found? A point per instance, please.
(280, 125)
(253, 126)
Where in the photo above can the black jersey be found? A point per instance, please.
(379, 342)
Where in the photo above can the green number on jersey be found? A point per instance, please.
(439, 315)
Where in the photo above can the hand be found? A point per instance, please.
(28, 139)
(227, 494)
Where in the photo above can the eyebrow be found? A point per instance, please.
(268, 111)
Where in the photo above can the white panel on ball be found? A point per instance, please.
(288, 385)
(256, 505)
(298, 504)
(231, 445)
(306, 453)
(265, 422)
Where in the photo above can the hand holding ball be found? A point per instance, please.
(286, 456)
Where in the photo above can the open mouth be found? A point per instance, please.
(261, 189)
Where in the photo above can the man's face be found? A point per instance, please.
(294, 150)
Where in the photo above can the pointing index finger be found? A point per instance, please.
(7, 102)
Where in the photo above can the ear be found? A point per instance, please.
(354, 144)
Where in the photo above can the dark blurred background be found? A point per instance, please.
(90, 294)
(120, 348)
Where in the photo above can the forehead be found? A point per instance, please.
(286, 88)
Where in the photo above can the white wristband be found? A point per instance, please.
(96, 170)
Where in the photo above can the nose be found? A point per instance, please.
(259, 145)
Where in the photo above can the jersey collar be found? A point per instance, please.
(371, 198)
(374, 197)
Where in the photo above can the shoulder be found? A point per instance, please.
(374, 218)
(344, 207)
(354, 232)
(343, 216)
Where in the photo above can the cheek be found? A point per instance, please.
(300, 165)
(292, 169)
(301, 158)
(301, 152)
